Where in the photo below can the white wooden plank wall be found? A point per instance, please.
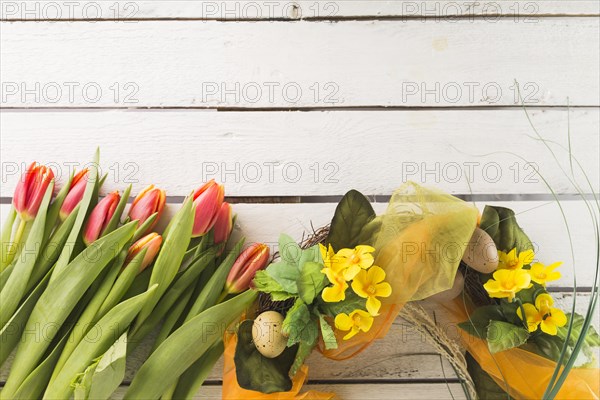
(292, 103)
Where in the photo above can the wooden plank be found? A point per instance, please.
(542, 221)
(396, 391)
(306, 154)
(361, 64)
(125, 10)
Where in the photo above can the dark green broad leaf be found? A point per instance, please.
(547, 346)
(351, 303)
(504, 336)
(311, 281)
(258, 373)
(486, 387)
(351, 217)
(480, 319)
(501, 224)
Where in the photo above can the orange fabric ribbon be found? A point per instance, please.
(523, 374)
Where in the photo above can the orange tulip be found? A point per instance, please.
(100, 217)
(150, 201)
(152, 243)
(208, 200)
(223, 223)
(253, 259)
(31, 189)
(75, 194)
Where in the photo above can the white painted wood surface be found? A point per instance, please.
(316, 153)
(425, 76)
(126, 10)
(300, 64)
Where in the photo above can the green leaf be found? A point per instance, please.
(310, 335)
(504, 335)
(486, 387)
(546, 346)
(311, 281)
(175, 243)
(295, 322)
(501, 224)
(592, 339)
(7, 230)
(312, 254)
(326, 332)
(352, 215)
(60, 298)
(110, 371)
(185, 346)
(99, 339)
(256, 372)
(289, 251)
(351, 303)
(480, 319)
(191, 381)
(14, 289)
(83, 382)
(263, 282)
(54, 209)
(285, 274)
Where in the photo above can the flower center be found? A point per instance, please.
(355, 259)
(356, 319)
(513, 264)
(371, 289)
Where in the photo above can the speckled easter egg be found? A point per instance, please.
(267, 335)
(481, 253)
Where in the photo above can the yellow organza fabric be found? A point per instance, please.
(523, 374)
(423, 235)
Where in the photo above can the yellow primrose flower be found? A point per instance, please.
(544, 315)
(357, 321)
(352, 261)
(514, 261)
(541, 273)
(370, 284)
(337, 292)
(327, 254)
(507, 283)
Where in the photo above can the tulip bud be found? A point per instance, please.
(150, 201)
(253, 259)
(100, 217)
(152, 243)
(208, 200)
(31, 189)
(223, 223)
(75, 194)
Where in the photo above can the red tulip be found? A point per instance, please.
(31, 189)
(75, 193)
(150, 201)
(208, 200)
(223, 223)
(152, 243)
(100, 217)
(253, 259)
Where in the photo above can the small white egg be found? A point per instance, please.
(267, 335)
(481, 253)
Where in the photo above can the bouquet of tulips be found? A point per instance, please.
(81, 287)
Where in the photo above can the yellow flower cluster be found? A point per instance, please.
(543, 314)
(511, 277)
(354, 268)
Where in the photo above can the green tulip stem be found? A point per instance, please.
(19, 238)
(222, 297)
